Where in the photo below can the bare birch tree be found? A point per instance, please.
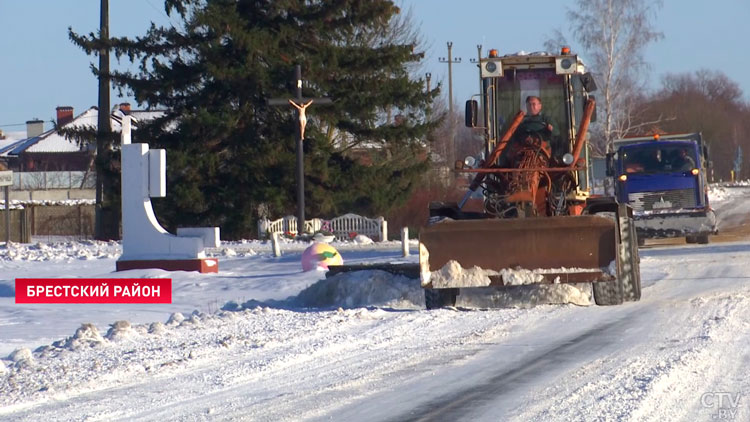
(613, 35)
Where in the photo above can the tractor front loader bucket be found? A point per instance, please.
(563, 249)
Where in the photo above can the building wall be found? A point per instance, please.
(62, 220)
(52, 194)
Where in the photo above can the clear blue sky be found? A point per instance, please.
(41, 69)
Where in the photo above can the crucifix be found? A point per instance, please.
(300, 103)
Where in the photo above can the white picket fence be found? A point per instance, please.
(342, 227)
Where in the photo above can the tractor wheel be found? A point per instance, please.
(627, 285)
(439, 298)
(632, 289)
(607, 293)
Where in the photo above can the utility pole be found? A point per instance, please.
(103, 130)
(478, 62)
(300, 103)
(450, 62)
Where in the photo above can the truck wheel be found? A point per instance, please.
(702, 238)
(439, 298)
(691, 238)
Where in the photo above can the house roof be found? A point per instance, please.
(52, 141)
(10, 140)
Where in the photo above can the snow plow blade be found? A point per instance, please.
(556, 249)
(663, 225)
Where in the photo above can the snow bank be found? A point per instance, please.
(718, 193)
(83, 250)
(20, 204)
(66, 249)
(382, 289)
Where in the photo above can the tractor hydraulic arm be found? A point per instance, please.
(588, 111)
(499, 148)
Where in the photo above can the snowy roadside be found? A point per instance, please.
(648, 360)
(248, 270)
(294, 347)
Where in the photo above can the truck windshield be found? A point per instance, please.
(660, 158)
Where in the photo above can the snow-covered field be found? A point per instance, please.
(262, 340)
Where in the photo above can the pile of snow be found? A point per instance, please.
(363, 288)
(520, 288)
(350, 290)
(20, 357)
(119, 330)
(526, 296)
(361, 239)
(86, 336)
(453, 274)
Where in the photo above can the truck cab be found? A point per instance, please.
(663, 178)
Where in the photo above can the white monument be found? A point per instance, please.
(145, 243)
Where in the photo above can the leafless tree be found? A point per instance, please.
(613, 35)
(706, 101)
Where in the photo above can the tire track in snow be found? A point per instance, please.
(458, 404)
(651, 378)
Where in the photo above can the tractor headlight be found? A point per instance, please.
(492, 68)
(567, 159)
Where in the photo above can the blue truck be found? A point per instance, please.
(663, 178)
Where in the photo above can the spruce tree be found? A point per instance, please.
(228, 152)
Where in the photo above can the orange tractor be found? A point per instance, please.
(539, 217)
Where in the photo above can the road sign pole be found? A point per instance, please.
(7, 215)
(6, 179)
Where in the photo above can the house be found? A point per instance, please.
(49, 150)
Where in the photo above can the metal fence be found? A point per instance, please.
(342, 227)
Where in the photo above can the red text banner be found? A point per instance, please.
(93, 290)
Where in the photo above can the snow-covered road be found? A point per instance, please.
(681, 353)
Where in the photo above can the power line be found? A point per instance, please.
(169, 18)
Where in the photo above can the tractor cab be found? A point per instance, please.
(561, 85)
